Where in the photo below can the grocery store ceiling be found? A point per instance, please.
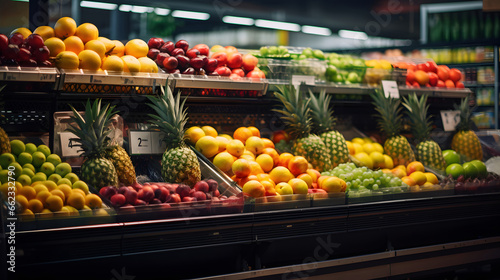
(398, 19)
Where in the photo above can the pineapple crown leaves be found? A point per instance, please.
(92, 128)
(170, 117)
(295, 111)
(321, 113)
(389, 117)
(417, 113)
(465, 114)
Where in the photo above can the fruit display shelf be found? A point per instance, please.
(29, 79)
(264, 244)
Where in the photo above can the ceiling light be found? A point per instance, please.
(98, 5)
(125, 8)
(190, 15)
(316, 30)
(161, 11)
(238, 20)
(141, 9)
(277, 25)
(349, 34)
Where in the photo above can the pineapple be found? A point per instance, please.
(122, 163)
(389, 121)
(179, 163)
(428, 151)
(323, 123)
(4, 138)
(92, 131)
(465, 141)
(295, 111)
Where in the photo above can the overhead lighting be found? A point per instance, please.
(142, 9)
(161, 11)
(98, 5)
(190, 15)
(349, 34)
(238, 20)
(315, 30)
(277, 25)
(125, 8)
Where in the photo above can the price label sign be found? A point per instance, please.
(158, 146)
(299, 79)
(450, 119)
(140, 142)
(390, 88)
(68, 148)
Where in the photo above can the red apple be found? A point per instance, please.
(177, 51)
(34, 41)
(189, 71)
(443, 72)
(16, 39)
(221, 58)
(174, 71)
(146, 193)
(223, 71)
(136, 186)
(108, 191)
(238, 72)
(182, 44)
(183, 190)
(188, 199)
(4, 42)
(211, 65)
(204, 49)
(197, 62)
(170, 63)
(216, 193)
(460, 85)
(131, 196)
(234, 60)
(155, 201)
(153, 53)
(201, 186)
(433, 78)
(183, 62)
(118, 200)
(123, 190)
(140, 202)
(256, 74)
(173, 198)
(440, 84)
(41, 54)
(171, 187)
(212, 185)
(415, 84)
(161, 193)
(249, 62)
(410, 76)
(431, 66)
(192, 53)
(155, 43)
(167, 47)
(235, 77)
(199, 195)
(423, 67)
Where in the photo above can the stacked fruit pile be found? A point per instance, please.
(429, 74)
(23, 48)
(253, 162)
(369, 153)
(45, 186)
(345, 69)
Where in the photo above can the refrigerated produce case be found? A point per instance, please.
(372, 237)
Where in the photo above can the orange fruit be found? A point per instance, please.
(23, 201)
(76, 200)
(298, 165)
(284, 158)
(306, 178)
(45, 31)
(242, 181)
(54, 203)
(42, 196)
(280, 174)
(235, 147)
(255, 131)
(419, 177)
(265, 161)
(193, 134)
(255, 168)
(241, 168)
(87, 32)
(28, 192)
(65, 27)
(93, 201)
(242, 134)
(414, 166)
(279, 135)
(59, 193)
(74, 44)
(254, 188)
(409, 181)
(209, 130)
(267, 143)
(273, 153)
(35, 205)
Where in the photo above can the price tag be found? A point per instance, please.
(47, 77)
(140, 142)
(158, 146)
(68, 148)
(390, 89)
(298, 79)
(450, 119)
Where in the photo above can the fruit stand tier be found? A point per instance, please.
(387, 238)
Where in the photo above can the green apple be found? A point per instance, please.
(17, 147)
(72, 177)
(6, 159)
(28, 171)
(39, 177)
(455, 170)
(470, 171)
(47, 168)
(30, 166)
(450, 156)
(64, 181)
(18, 169)
(30, 148)
(54, 177)
(81, 185)
(24, 158)
(38, 159)
(63, 168)
(54, 159)
(482, 172)
(319, 54)
(24, 179)
(44, 149)
(4, 176)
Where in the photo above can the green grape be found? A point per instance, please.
(375, 187)
(371, 180)
(377, 174)
(343, 176)
(348, 185)
(350, 176)
(378, 182)
(366, 182)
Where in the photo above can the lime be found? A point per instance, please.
(264, 51)
(308, 52)
(470, 170)
(455, 170)
(272, 50)
(331, 72)
(318, 54)
(482, 172)
(450, 156)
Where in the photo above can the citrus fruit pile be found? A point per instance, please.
(368, 153)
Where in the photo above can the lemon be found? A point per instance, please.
(45, 31)
(113, 63)
(118, 48)
(208, 146)
(97, 46)
(364, 159)
(378, 159)
(89, 59)
(107, 43)
(193, 134)
(23, 31)
(87, 32)
(224, 161)
(137, 48)
(148, 65)
(67, 60)
(131, 64)
(209, 130)
(74, 44)
(55, 46)
(65, 27)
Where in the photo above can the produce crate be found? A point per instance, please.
(329, 199)
(84, 81)
(267, 203)
(284, 70)
(29, 79)
(398, 193)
